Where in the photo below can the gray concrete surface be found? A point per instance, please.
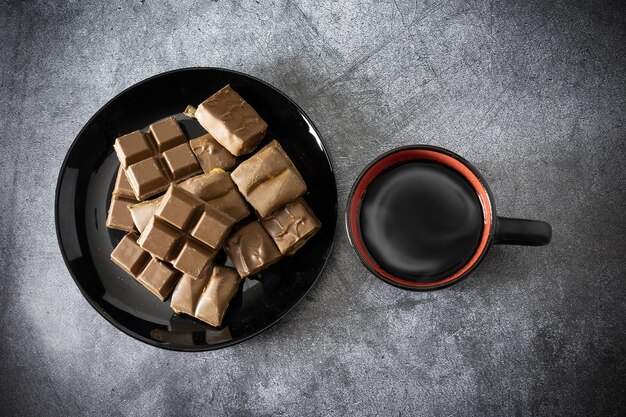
(532, 92)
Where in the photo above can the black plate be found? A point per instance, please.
(83, 194)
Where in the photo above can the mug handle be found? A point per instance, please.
(522, 232)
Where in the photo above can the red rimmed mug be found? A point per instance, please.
(433, 192)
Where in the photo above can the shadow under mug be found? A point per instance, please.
(495, 229)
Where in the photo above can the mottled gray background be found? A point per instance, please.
(534, 93)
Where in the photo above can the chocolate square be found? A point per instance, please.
(181, 161)
(291, 226)
(178, 207)
(251, 249)
(145, 176)
(160, 239)
(231, 121)
(212, 227)
(268, 179)
(132, 148)
(119, 215)
(167, 134)
(193, 259)
(129, 256)
(159, 278)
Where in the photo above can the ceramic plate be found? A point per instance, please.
(84, 192)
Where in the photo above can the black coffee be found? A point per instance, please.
(421, 221)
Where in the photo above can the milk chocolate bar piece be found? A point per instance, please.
(185, 231)
(129, 256)
(119, 216)
(291, 226)
(251, 249)
(156, 276)
(269, 180)
(216, 188)
(220, 290)
(159, 277)
(211, 154)
(154, 160)
(166, 243)
(231, 121)
(187, 293)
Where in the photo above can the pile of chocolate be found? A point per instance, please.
(181, 201)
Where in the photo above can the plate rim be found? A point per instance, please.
(106, 315)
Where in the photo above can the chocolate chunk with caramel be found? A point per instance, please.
(211, 154)
(231, 121)
(269, 180)
(291, 226)
(218, 190)
(220, 290)
(251, 249)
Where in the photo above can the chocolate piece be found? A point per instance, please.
(129, 256)
(291, 226)
(156, 276)
(193, 259)
(219, 191)
(269, 180)
(251, 249)
(187, 212)
(161, 240)
(215, 299)
(159, 277)
(132, 148)
(231, 121)
(119, 216)
(211, 154)
(141, 213)
(185, 231)
(187, 292)
(154, 160)
(216, 188)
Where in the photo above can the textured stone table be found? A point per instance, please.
(533, 93)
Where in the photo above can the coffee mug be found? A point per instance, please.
(421, 217)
